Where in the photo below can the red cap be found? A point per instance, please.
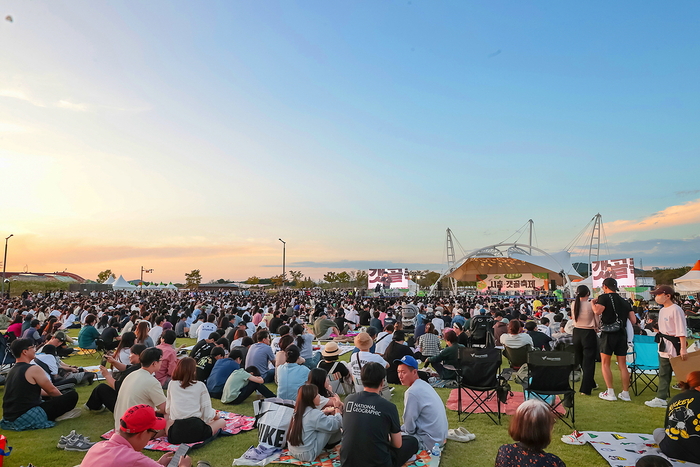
(663, 289)
(141, 418)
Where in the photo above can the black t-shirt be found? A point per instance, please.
(109, 334)
(622, 307)
(395, 351)
(20, 394)
(201, 349)
(275, 323)
(364, 318)
(540, 340)
(682, 439)
(123, 374)
(367, 422)
(339, 368)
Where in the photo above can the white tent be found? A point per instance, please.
(110, 280)
(170, 287)
(690, 282)
(121, 284)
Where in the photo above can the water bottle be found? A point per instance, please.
(435, 452)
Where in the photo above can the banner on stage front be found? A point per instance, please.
(512, 282)
(396, 278)
(622, 270)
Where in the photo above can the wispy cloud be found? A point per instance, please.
(659, 252)
(682, 214)
(359, 264)
(64, 104)
(687, 192)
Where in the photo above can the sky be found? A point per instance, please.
(187, 135)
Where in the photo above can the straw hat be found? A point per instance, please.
(363, 341)
(331, 349)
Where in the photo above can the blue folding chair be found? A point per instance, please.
(644, 368)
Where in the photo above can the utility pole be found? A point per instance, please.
(284, 261)
(4, 263)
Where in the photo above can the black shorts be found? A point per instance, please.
(613, 343)
(189, 430)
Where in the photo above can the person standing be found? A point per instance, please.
(671, 338)
(614, 313)
(585, 338)
(371, 429)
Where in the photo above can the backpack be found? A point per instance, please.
(340, 385)
(481, 330)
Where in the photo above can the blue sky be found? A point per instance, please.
(177, 135)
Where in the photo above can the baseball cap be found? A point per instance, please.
(663, 289)
(140, 418)
(61, 336)
(408, 360)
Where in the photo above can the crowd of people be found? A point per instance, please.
(245, 342)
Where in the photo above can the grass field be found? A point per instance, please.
(39, 446)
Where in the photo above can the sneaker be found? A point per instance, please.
(75, 413)
(100, 410)
(575, 439)
(657, 403)
(676, 386)
(63, 440)
(607, 395)
(79, 445)
(624, 396)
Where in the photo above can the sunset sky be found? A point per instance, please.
(180, 135)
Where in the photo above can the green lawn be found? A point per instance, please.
(39, 447)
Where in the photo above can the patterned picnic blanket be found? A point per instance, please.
(332, 459)
(234, 424)
(624, 449)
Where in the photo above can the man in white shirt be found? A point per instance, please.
(383, 339)
(156, 331)
(438, 322)
(206, 328)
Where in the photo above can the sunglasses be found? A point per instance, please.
(153, 433)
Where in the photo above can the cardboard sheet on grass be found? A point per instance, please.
(682, 367)
(234, 424)
(332, 459)
(508, 408)
(624, 449)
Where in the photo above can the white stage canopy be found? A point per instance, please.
(690, 282)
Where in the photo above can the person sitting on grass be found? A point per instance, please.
(448, 356)
(22, 405)
(292, 375)
(192, 418)
(104, 396)
(169, 360)
(319, 378)
(680, 437)
(241, 384)
(311, 430)
(88, 335)
(424, 415)
(140, 387)
(531, 428)
(221, 371)
(371, 429)
(137, 428)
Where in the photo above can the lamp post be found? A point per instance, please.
(146, 271)
(4, 263)
(284, 261)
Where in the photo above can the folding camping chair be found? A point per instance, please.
(550, 375)
(517, 357)
(644, 367)
(479, 372)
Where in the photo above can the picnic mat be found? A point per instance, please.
(95, 369)
(234, 424)
(332, 459)
(508, 408)
(623, 449)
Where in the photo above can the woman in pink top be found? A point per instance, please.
(585, 338)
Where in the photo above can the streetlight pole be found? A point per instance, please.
(284, 261)
(4, 263)
(142, 271)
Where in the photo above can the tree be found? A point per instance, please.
(296, 276)
(193, 279)
(277, 281)
(104, 275)
(361, 278)
(253, 280)
(330, 277)
(343, 277)
(306, 283)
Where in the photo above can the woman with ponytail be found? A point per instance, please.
(311, 430)
(680, 437)
(585, 338)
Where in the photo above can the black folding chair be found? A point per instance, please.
(550, 375)
(517, 357)
(479, 372)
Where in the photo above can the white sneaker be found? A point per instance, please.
(75, 413)
(607, 395)
(624, 396)
(657, 403)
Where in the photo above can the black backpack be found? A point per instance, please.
(481, 331)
